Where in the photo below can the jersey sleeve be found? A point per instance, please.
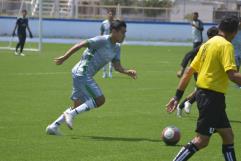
(117, 57)
(227, 58)
(96, 42)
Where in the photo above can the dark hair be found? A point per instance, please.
(229, 24)
(195, 13)
(212, 31)
(24, 11)
(117, 25)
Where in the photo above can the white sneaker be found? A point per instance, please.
(179, 111)
(53, 130)
(69, 119)
(16, 53)
(104, 75)
(187, 107)
(110, 75)
(22, 54)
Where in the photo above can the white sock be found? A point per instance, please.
(88, 105)
(60, 119)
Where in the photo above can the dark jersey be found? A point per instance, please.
(22, 24)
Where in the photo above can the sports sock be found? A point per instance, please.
(181, 106)
(186, 152)
(228, 152)
(88, 105)
(192, 99)
(60, 119)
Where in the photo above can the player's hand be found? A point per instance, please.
(30, 35)
(171, 105)
(13, 34)
(59, 60)
(132, 73)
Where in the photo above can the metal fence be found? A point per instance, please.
(76, 9)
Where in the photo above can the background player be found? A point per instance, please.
(105, 30)
(197, 29)
(21, 26)
(86, 94)
(237, 49)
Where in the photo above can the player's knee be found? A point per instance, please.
(228, 138)
(100, 101)
(201, 142)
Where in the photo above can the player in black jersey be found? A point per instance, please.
(21, 26)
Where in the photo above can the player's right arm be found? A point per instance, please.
(172, 104)
(71, 51)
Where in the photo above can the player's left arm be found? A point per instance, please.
(130, 72)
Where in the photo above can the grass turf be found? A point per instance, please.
(34, 91)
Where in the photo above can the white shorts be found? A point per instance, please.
(85, 88)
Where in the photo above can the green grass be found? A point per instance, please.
(34, 91)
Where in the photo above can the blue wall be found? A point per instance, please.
(152, 31)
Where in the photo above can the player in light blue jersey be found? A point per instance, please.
(105, 30)
(237, 49)
(86, 94)
(197, 29)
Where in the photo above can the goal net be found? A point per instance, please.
(11, 10)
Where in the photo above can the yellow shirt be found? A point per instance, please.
(214, 59)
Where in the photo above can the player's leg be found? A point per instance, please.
(196, 44)
(105, 75)
(82, 102)
(18, 44)
(86, 88)
(184, 64)
(228, 143)
(22, 43)
(110, 69)
(186, 152)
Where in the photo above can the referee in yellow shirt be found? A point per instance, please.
(215, 65)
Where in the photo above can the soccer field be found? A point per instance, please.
(34, 91)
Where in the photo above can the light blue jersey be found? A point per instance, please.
(237, 48)
(100, 51)
(237, 44)
(197, 33)
(105, 27)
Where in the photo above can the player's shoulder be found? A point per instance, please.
(99, 38)
(105, 21)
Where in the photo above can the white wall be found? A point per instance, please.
(59, 28)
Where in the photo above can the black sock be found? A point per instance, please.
(192, 99)
(186, 152)
(228, 152)
(181, 106)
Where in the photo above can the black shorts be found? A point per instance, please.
(212, 114)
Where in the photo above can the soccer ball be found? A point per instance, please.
(170, 135)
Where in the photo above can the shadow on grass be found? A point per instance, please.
(111, 138)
